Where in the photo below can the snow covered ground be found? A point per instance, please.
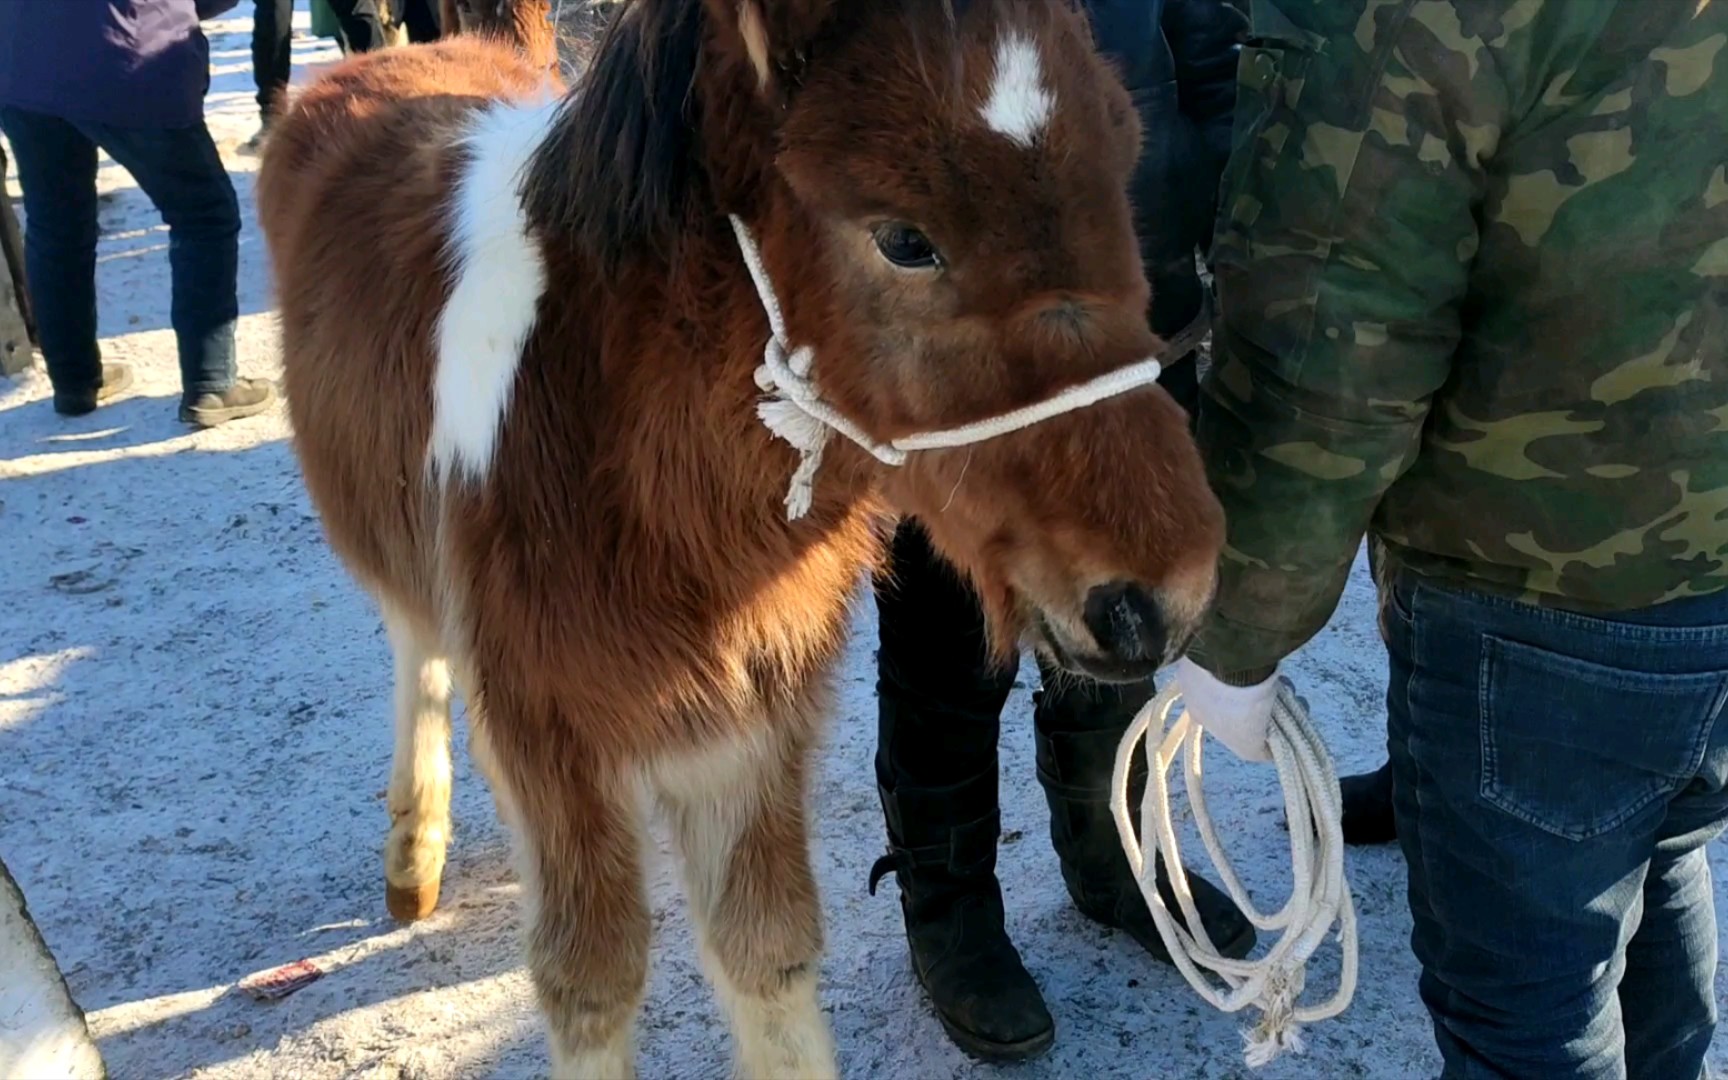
(194, 738)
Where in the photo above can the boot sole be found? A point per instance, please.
(1240, 945)
(1370, 837)
(987, 1050)
(1362, 836)
(1236, 948)
(995, 1052)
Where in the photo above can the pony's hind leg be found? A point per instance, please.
(419, 797)
(739, 819)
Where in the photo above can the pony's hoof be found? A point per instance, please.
(410, 903)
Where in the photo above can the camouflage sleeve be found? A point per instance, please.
(1345, 234)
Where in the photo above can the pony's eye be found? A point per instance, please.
(906, 247)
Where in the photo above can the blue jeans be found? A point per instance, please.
(1556, 778)
(181, 172)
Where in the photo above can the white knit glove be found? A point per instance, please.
(1238, 716)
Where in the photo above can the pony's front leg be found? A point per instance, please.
(738, 815)
(419, 796)
(579, 827)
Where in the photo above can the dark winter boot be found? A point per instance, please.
(1075, 759)
(939, 706)
(942, 847)
(1368, 807)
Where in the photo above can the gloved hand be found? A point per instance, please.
(1239, 716)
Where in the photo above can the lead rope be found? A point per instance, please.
(1319, 898)
(796, 412)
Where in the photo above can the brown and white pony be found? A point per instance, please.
(541, 452)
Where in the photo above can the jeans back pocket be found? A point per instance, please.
(1579, 748)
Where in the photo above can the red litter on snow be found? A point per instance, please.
(282, 981)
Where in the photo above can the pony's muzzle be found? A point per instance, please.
(1128, 624)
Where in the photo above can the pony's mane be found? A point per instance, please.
(621, 166)
(616, 172)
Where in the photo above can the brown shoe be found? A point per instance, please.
(247, 397)
(116, 379)
(255, 145)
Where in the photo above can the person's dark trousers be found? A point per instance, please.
(940, 717)
(272, 53)
(362, 29)
(939, 703)
(181, 172)
(421, 19)
(1556, 778)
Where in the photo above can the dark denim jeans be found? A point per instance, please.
(181, 172)
(1556, 778)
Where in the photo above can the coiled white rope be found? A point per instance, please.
(796, 412)
(1320, 896)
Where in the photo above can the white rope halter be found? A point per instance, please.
(796, 412)
(1320, 896)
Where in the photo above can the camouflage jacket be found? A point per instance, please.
(1472, 282)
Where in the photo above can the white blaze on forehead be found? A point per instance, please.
(500, 276)
(1019, 106)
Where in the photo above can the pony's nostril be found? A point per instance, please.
(1126, 621)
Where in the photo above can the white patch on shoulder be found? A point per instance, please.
(500, 276)
(1019, 106)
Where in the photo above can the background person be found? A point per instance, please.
(128, 77)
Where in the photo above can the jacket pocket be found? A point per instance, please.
(1269, 77)
(1579, 749)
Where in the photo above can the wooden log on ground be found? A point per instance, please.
(17, 326)
(42, 1030)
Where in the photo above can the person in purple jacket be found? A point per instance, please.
(127, 77)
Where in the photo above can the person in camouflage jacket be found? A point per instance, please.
(1472, 282)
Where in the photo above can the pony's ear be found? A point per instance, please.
(772, 36)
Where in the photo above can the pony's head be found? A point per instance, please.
(940, 190)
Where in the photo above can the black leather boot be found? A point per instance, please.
(1078, 729)
(1368, 807)
(939, 706)
(942, 848)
